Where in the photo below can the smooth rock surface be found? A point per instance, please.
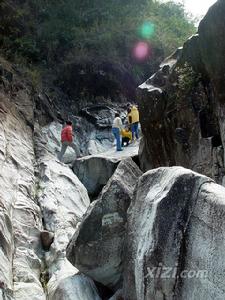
(76, 287)
(94, 171)
(63, 200)
(88, 138)
(96, 249)
(176, 220)
(51, 137)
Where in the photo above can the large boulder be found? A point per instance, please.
(94, 171)
(76, 287)
(96, 249)
(63, 200)
(175, 237)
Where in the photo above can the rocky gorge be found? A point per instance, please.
(118, 226)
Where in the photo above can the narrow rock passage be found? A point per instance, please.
(63, 200)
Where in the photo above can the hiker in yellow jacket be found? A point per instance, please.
(133, 119)
(126, 136)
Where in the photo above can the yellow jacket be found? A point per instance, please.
(125, 133)
(134, 114)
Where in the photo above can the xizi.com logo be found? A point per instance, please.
(165, 272)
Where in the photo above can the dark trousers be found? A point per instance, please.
(125, 140)
(134, 130)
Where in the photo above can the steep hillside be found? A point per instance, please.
(89, 51)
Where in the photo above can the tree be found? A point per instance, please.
(93, 33)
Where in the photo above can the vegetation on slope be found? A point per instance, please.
(78, 37)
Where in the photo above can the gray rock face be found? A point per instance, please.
(99, 115)
(20, 216)
(88, 138)
(118, 295)
(96, 127)
(176, 221)
(96, 249)
(182, 104)
(94, 171)
(28, 197)
(63, 200)
(77, 287)
(92, 131)
(212, 33)
(51, 140)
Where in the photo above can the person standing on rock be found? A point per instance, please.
(67, 140)
(116, 128)
(133, 120)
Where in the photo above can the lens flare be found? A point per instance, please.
(141, 51)
(147, 30)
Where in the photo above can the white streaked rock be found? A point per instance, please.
(20, 216)
(63, 200)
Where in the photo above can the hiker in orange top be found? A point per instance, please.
(67, 140)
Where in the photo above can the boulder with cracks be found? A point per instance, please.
(175, 237)
(97, 248)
